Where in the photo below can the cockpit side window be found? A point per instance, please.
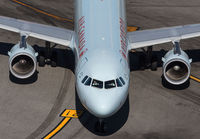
(118, 82)
(88, 82)
(97, 83)
(122, 80)
(110, 84)
(84, 79)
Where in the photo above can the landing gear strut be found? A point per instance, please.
(148, 60)
(100, 126)
(48, 56)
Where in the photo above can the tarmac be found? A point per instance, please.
(153, 110)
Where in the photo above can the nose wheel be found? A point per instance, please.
(100, 126)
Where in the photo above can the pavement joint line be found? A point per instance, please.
(42, 12)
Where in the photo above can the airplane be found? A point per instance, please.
(101, 45)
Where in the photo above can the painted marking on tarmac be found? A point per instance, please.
(132, 28)
(42, 12)
(195, 78)
(68, 115)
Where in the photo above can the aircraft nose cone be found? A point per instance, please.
(102, 103)
(103, 109)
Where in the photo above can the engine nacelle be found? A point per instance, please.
(176, 67)
(22, 61)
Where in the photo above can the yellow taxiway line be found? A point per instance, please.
(68, 115)
(195, 78)
(58, 128)
(43, 12)
(132, 28)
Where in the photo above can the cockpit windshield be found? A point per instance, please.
(84, 79)
(97, 83)
(88, 81)
(118, 82)
(110, 84)
(122, 80)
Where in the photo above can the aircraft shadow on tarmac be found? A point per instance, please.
(112, 124)
(65, 59)
(135, 64)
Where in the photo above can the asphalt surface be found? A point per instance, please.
(31, 109)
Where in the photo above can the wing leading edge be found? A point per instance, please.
(40, 31)
(139, 39)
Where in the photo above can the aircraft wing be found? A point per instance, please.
(40, 31)
(139, 39)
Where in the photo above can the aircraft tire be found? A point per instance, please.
(154, 63)
(41, 61)
(100, 127)
(53, 64)
(54, 59)
(142, 62)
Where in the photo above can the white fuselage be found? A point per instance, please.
(101, 53)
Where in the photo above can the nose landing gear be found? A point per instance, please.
(100, 126)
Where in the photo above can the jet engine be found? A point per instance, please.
(176, 66)
(22, 60)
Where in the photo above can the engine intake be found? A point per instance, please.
(22, 61)
(176, 67)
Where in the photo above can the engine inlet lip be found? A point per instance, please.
(27, 75)
(181, 81)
